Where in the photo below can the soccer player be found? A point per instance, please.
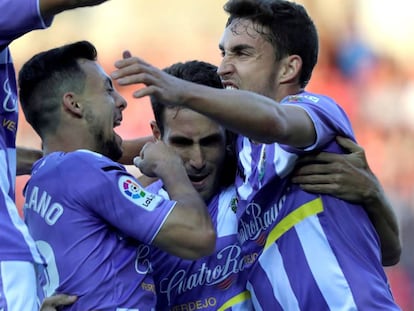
(88, 215)
(211, 282)
(18, 255)
(312, 250)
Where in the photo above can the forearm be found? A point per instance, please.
(252, 115)
(49, 8)
(132, 148)
(25, 159)
(385, 222)
(188, 232)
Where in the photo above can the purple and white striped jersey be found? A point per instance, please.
(17, 18)
(308, 252)
(89, 217)
(213, 282)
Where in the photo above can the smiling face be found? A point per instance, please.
(200, 142)
(103, 107)
(249, 61)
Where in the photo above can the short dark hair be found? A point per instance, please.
(292, 31)
(46, 77)
(194, 71)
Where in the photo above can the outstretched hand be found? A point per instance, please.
(132, 70)
(346, 176)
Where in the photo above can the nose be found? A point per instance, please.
(120, 102)
(225, 68)
(197, 158)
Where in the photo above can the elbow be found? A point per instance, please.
(392, 258)
(205, 245)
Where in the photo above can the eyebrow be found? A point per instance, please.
(216, 137)
(237, 48)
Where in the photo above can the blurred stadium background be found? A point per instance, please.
(365, 64)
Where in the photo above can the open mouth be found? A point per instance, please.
(228, 85)
(117, 122)
(197, 179)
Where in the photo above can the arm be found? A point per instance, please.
(25, 159)
(349, 177)
(132, 148)
(284, 124)
(49, 8)
(188, 231)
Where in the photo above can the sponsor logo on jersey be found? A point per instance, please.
(136, 194)
(301, 98)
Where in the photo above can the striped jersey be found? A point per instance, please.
(89, 218)
(17, 18)
(212, 282)
(311, 252)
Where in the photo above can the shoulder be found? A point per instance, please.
(309, 98)
(78, 164)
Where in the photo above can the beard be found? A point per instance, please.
(110, 148)
(113, 149)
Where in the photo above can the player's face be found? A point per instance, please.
(103, 110)
(201, 144)
(249, 61)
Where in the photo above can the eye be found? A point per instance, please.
(180, 142)
(242, 53)
(212, 141)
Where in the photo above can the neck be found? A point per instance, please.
(66, 143)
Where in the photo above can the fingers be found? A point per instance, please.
(322, 157)
(137, 161)
(51, 303)
(126, 54)
(348, 144)
(314, 179)
(129, 60)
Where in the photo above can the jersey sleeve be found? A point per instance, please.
(116, 196)
(328, 117)
(19, 17)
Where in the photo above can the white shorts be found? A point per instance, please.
(18, 286)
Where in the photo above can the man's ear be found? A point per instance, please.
(72, 105)
(291, 68)
(155, 130)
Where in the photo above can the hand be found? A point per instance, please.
(134, 70)
(53, 302)
(346, 176)
(158, 160)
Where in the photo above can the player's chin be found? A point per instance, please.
(118, 140)
(113, 148)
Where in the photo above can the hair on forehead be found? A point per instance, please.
(194, 71)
